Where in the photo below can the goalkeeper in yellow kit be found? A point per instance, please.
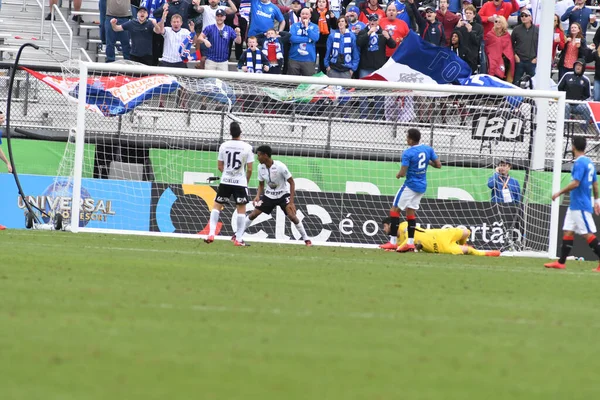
(443, 241)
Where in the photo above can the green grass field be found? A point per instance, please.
(122, 317)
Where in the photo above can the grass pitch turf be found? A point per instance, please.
(122, 317)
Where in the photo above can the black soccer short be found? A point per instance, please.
(267, 204)
(225, 191)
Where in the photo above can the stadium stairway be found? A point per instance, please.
(21, 22)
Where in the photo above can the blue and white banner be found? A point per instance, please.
(418, 61)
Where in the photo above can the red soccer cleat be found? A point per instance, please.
(308, 243)
(209, 239)
(492, 253)
(388, 246)
(406, 248)
(555, 265)
(240, 244)
(2, 227)
(233, 239)
(597, 269)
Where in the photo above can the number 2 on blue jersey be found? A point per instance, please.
(591, 172)
(422, 158)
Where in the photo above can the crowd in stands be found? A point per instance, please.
(339, 37)
(346, 39)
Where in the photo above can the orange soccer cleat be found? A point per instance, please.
(209, 239)
(388, 246)
(233, 238)
(406, 248)
(555, 265)
(597, 269)
(2, 227)
(308, 243)
(240, 244)
(492, 253)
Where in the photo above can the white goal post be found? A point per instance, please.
(340, 139)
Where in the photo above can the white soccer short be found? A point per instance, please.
(580, 222)
(406, 198)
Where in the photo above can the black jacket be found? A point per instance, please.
(331, 22)
(576, 87)
(373, 60)
(432, 32)
(464, 51)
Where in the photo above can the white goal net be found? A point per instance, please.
(146, 145)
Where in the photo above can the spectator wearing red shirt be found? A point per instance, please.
(397, 28)
(559, 36)
(490, 10)
(371, 8)
(448, 19)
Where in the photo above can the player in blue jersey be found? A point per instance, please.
(415, 161)
(579, 215)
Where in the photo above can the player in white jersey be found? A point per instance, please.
(235, 163)
(279, 191)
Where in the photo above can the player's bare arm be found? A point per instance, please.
(596, 199)
(572, 185)
(436, 164)
(5, 160)
(248, 172)
(261, 189)
(221, 166)
(402, 172)
(291, 206)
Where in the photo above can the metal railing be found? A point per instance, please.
(83, 55)
(40, 4)
(68, 47)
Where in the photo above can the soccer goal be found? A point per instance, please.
(143, 157)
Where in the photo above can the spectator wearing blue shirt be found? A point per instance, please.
(263, 15)
(141, 31)
(403, 12)
(505, 189)
(578, 219)
(217, 38)
(415, 161)
(342, 55)
(352, 18)
(303, 53)
(454, 6)
(581, 14)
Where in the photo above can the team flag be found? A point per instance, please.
(418, 61)
(111, 95)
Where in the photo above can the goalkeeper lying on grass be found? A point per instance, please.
(444, 241)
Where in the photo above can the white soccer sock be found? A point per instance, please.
(214, 220)
(302, 231)
(241, 227)
(393, 239)
(411, 241)
(247, 223)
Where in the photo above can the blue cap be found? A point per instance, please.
(354, 9)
